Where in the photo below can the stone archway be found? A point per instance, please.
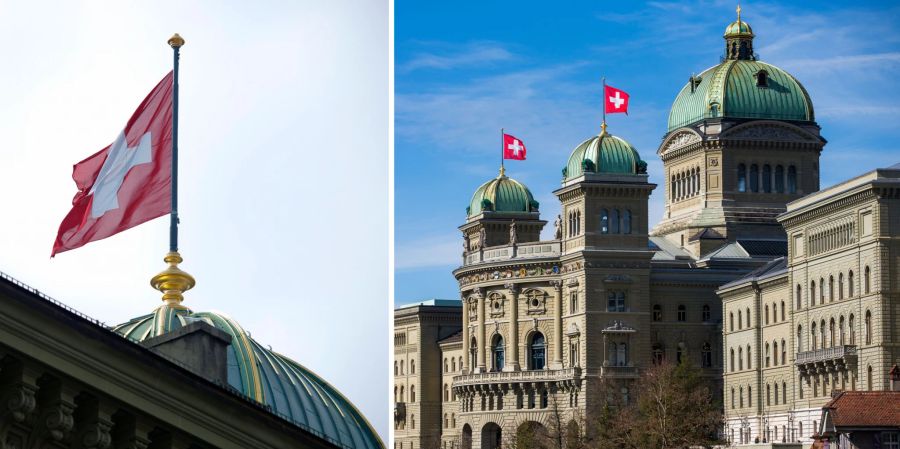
(491, 436)
(466, 437)
(532, 435)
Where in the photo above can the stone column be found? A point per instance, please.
(482, 345)
(512, 362)
(557, 326)
(467, 364)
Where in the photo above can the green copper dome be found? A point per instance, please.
(738, 28)
(290, 389)
(502, 194)
(741, 87)
(604, 153)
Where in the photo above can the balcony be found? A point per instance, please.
(533, 250)
(619, 372)
(835, 358)
(559, 376)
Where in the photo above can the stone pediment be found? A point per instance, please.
(679, 140)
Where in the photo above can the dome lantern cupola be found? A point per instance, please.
(739, 40)
(604, 154)
(502, 195)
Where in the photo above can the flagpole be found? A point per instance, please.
(502, 170)
(175, 42)
(604, 103)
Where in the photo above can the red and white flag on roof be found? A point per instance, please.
(127, 183)
(616, 100)
(513, 148)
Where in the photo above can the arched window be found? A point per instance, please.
(868, 327)
(830, 288)
(537, 352)
(412, 367)
(841, 330)
(812, 337)
(821, 291)
(852, 330)
(657, 312)
(867, 279)
(396, 368)
(831, 332)
(658, 354)
(622, 355)
(748, 317)
(768, 394)
(731, 321)
(614, 221)
(822, 333)
(402, 393)
(742, 178)
(754, 178)
(792, 179)
(459, 363)
(740, 358)
(850, 283)
(732, 397)
(497, 353)
(453, 364)
(740, 320)
(395, 394)
(783, 352)
(706, 355)
(741, 398)
(767, 355)
(767, 313)
(412, 421)
(776, 393)
(446, 393)
(706, 313)
(774, 353)
(401, 367)
(732, 360)
(779, 179)
(784, 393)
(446, 420)
(812, 293)
(800, 338)
(841, 286)
(412, 393)
(604, 221)
(682, 313)
(446, 366)
(626, 221)
(782, 310)
(762, 79)
(749, 396)
(767, 179)
(799, 297)
(473, 353)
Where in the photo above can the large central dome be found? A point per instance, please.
(290, 389)
(741, 87)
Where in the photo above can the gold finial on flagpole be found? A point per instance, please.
(603, 128)
(176, 41)
(173, 281)
(502, 171)
(739, 15)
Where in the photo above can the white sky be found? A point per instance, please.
(283, 171)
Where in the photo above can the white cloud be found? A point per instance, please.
(430, 251)
(478, 53)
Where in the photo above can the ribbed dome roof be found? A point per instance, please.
(270, 378)
(733, 89)
(502, 194)
(604, 153)
(738, 28)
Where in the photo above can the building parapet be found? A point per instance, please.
(517, 251)
(826, 359)
(566, 375)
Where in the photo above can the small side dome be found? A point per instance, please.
(502, 195)
(604, 153)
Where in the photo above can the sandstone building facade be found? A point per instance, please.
(549, 329)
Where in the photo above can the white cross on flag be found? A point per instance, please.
(513, 148)
(616, 100)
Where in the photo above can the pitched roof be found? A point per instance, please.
(865, 409)
(770, 269)
(452, 338)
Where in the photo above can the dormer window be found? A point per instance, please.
(762, 79)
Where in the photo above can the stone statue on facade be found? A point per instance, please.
(557, 226)
(482, 237)
(512, 233)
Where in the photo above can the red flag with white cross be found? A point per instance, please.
(616, 100)
(127, 183)
(513, 148)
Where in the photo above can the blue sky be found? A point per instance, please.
(466, 69)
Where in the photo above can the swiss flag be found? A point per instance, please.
(129, 181)
(513, 148)
(616, 100)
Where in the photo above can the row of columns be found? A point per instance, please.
(483, 354)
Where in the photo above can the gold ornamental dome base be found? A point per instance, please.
(173, 281)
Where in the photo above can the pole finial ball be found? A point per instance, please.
(176, 41)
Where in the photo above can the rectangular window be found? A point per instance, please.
(866, 224)
(615, 301)
(573, 302)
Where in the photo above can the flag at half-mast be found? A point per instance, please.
(616, 100)
(513, 148)
(127, 183)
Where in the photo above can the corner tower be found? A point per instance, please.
(742, 142)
